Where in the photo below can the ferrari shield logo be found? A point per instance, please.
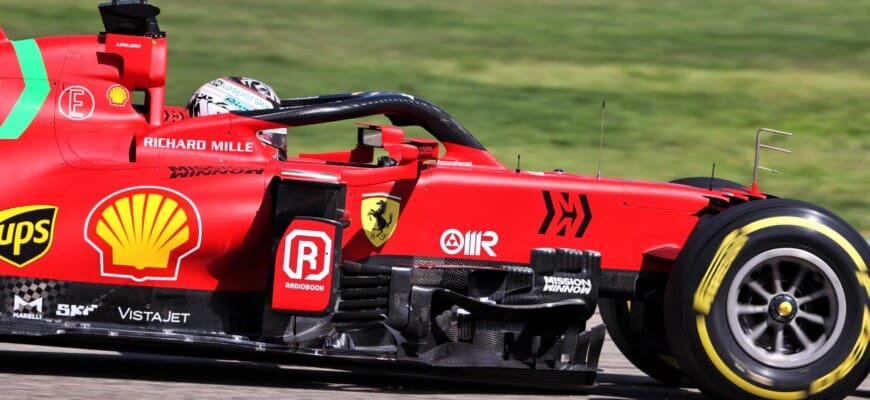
(380, 215)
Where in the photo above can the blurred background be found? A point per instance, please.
(686, 83)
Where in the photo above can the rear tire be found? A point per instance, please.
(770, 300)
(637, 329)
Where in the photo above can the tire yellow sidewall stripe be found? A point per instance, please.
(748, 387)
(715, 274)
(850, 362)
(722, 260)
(734, 241)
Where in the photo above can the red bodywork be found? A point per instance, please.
(88, 148)
(127, 224)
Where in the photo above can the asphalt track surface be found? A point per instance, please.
(38, 372)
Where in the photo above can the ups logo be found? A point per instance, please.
(26, 233)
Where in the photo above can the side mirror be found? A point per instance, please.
(383, 136)
(370, 137)
(390, 138)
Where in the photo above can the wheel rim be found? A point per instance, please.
(786, 307)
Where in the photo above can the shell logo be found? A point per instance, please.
(144, 233)
(118, 95)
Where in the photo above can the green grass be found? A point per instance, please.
(687, 83)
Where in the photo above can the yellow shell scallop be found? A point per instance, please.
(118, 95)
(143, 229)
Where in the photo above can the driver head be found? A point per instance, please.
(238, 93)
(232, 93)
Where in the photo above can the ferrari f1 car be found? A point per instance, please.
(126, 223)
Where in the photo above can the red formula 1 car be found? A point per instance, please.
(126, 223)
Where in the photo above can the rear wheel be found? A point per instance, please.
(770, 300)
(637, 329)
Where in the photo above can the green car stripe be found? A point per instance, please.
(36, 89)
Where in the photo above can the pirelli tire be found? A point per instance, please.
(637, 329)
(769, 299)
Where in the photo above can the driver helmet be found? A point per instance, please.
(238, 93)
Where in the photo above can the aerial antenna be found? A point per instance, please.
(518, 162)
(712, 176)
(601, 140)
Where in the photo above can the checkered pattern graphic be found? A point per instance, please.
(30, 289)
